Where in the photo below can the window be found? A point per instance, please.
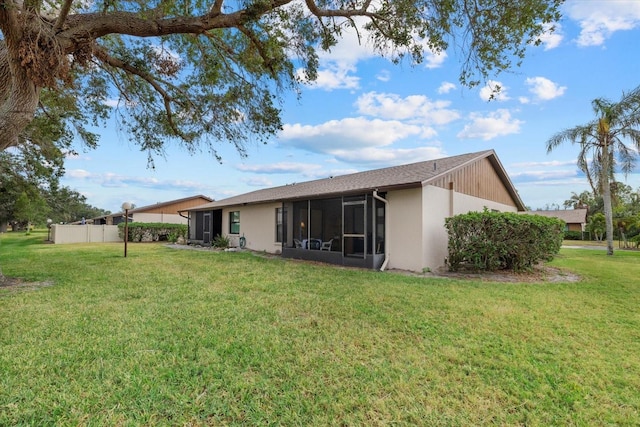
(234, 222)
(279, 227)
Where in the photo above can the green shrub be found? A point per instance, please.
(573, 235)
(498, 241)
(153, 231)
(221, 242)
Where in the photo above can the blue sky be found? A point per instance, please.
(365, 113)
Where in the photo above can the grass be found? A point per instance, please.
(588, 243)
(177, 337)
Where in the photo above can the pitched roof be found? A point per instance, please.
(570, 216)
(167, 203)
(395, 177)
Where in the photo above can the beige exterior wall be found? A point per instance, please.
(61, 234)
(404, 229)
(258, 224)
(435, 208)
(159, 217)
(440, 204)
(465, 204)
(417, 236)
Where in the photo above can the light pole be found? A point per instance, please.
(126, 206)
(49, 222)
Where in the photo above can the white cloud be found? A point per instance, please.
(494, 90)
(543, 174)
(111, 103)
(413, 108)
(551, 163)
(384, 76)
(544, 89)
(278, 168)
(354, 133)
(598, 20)
(446, 87)
(433, 59)
(335, 76)
(495, 124)
(258, 182)
(389, 156)
(71, 155)
(551, 40)
(78, 173)
(350, 49)
(113, 180)
(338, 65)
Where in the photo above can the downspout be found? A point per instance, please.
(386, 228)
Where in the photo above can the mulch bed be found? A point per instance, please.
(539, 274)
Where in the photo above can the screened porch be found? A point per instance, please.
(348, 230)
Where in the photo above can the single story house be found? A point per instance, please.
(575, 219)
(384, 218)
(165, 212)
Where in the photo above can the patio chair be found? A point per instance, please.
(297, 243)
(326, 246)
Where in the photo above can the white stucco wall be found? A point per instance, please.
(405, 229)
(258, 224)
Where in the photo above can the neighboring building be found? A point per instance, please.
(575, 219)
(384, 218)
(165, 212)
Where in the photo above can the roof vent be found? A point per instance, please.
(435, 166)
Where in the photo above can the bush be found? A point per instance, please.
(153, 231)
(221, 242)
(498, 241)
(573, 235)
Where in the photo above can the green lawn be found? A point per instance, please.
(180, 337)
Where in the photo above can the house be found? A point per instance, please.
(575, 219)
(164, 212)
(384, 218)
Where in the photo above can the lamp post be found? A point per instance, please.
(126, 206)
(49, 222)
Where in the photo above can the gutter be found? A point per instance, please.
(386, 228)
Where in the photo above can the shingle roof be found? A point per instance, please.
(570, 216)
(167, 203)
(404, 176)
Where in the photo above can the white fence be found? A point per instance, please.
(84, 233)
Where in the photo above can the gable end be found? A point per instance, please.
(478, 179)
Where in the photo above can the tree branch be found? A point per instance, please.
(9, 25)
(64, 12)
(166, 97)
(344, 13)
(216, 8)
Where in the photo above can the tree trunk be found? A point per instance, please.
(19, 99)
(606, 197)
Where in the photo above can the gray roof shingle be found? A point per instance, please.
(404, 176)
(570, 216)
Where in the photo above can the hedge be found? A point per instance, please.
(153, 231)
(573, 235)
(499, 241)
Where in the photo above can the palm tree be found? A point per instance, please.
(608, 144)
